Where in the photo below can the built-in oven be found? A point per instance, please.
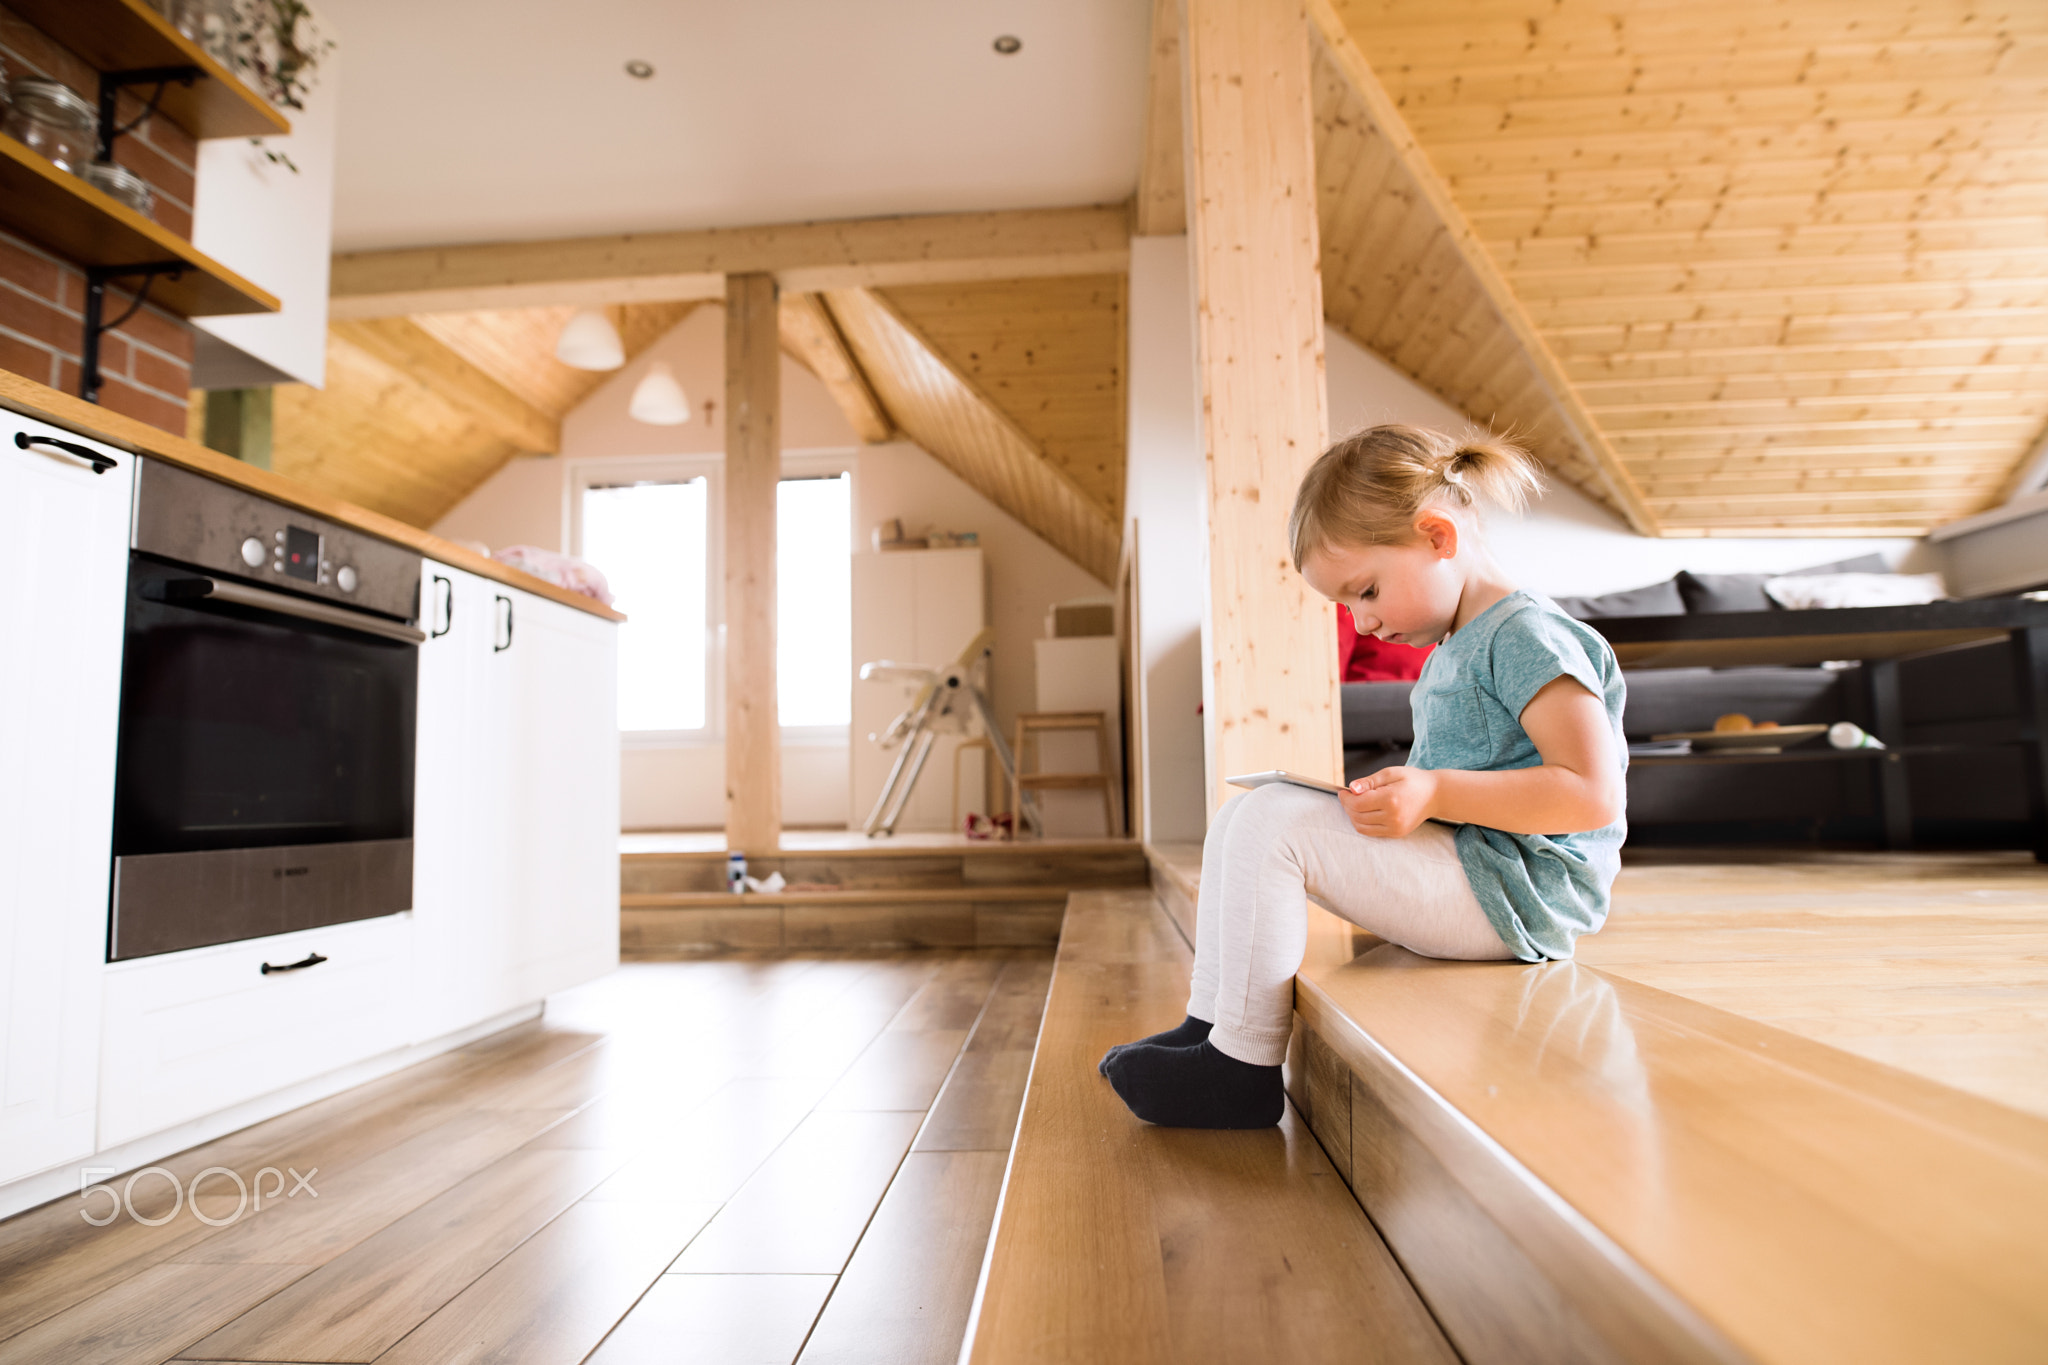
(269, 684)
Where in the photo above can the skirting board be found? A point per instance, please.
(70, 1177)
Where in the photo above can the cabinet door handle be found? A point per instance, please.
(100, 463)
(447, 608)
(497, 648)
(309, 960)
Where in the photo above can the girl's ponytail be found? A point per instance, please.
(1492, 471)
(1368, 489)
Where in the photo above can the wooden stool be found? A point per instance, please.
(1038, 723)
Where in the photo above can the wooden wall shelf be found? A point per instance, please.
(127, 35)
(73, 219)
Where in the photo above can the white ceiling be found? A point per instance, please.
(494, 120)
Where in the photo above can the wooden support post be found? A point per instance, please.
(753, 467)
(238, 423)
(1271, 643)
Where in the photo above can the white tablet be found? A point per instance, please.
(1282, 775)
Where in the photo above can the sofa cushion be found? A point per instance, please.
(1655, 599)
(1719, 592)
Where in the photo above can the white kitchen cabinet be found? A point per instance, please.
(912, 607)
(462, 805)
(565, 794)
(63, 557)
(193, 1032)
(515, 824)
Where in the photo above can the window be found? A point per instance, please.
(814, 601)
(652, 540)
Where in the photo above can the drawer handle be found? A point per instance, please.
(100, 463)
(310, 960)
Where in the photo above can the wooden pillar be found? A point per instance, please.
(1270, 647)
(238, 424)
(753, 466)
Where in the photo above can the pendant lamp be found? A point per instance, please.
(658, 399)
(590, 342)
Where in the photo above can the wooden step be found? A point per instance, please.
(908, 864)
(668, 924)
(1117, 1241)
(1574, 1166)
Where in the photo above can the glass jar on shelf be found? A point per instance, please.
(209, 23)
(54, 121)
(123, 184)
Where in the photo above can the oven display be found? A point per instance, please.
(301, 554)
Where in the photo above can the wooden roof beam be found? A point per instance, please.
(411, 350)
(810, 334)
(803, 257)
(1564, 399)
(1162, 205)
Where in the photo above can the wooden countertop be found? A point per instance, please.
(46, 404)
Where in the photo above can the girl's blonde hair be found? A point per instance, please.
(1368, 489)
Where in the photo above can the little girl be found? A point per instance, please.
(1498, 840)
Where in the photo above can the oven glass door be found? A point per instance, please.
(248, 729)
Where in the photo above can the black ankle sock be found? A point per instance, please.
(1195, 1087)
(1186, 1033)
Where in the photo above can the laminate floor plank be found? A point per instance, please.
(955, 995)
(561, 1291)
(977, 1111)
(904, 1297)
(360, 1303)
(712, 1152)
(352, 1204)
(1936, 963)
(513, 1198)
(148, 1317)
(804, 1210)
(1016, 1006)
(718, 1320)
(899, 1070)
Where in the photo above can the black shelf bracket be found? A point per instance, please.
(112, 83)
(97, 278)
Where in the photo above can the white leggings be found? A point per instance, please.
(1271, 849)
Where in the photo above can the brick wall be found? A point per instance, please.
(147, 365)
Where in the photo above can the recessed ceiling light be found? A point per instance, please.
(639, 70)
(1009, 45)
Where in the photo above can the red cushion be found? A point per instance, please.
(1361, 658)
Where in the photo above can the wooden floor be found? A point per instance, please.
(846, 841)
(756, 1159)
(1935, 963)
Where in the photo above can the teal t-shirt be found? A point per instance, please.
(1541, 891)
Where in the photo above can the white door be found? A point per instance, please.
(64, 560)
(565, 794)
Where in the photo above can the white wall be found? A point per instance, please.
(1166, 494)
(1567, 543)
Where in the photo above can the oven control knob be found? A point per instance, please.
(253, 553)
(345, 578)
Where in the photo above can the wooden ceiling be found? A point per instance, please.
(1730, 269)
(418, 411)
(1741, 268)
(1016, 385)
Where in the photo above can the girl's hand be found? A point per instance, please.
(1391, 803)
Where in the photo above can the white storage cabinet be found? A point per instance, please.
(516, 808)
(64, 559)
